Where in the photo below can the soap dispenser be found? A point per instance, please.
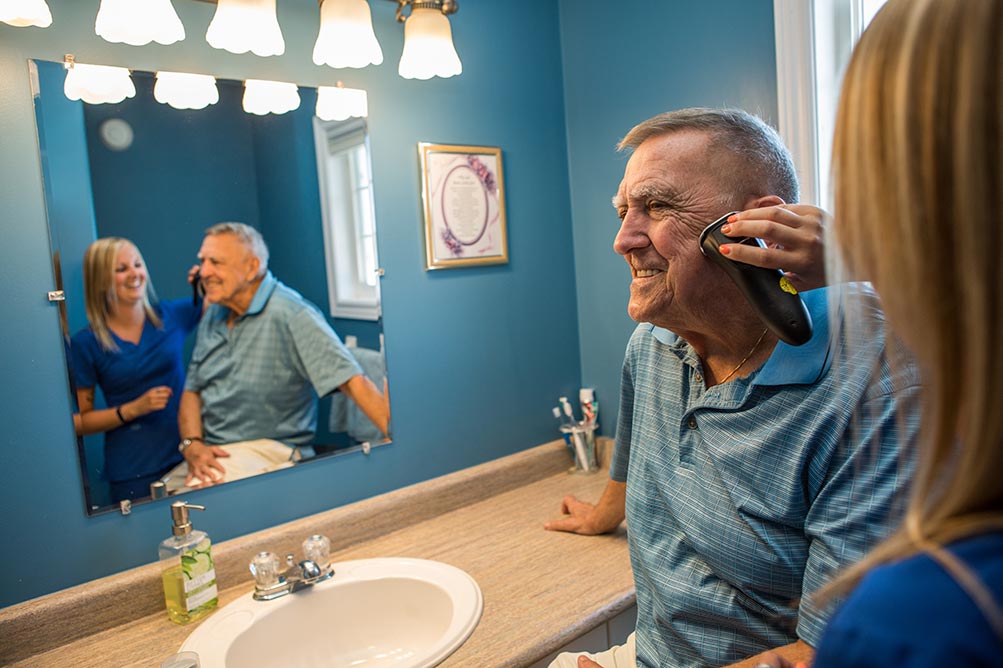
(188, 573)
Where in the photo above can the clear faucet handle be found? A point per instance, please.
(317, 549)
(265, 568)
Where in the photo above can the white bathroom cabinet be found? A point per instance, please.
(602, 637)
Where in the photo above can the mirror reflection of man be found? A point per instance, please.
(262, 357)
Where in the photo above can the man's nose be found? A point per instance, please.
(631, 234)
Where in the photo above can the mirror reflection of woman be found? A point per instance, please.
(132, 351)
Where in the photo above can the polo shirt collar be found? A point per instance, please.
(788, 365)
(219, 314)
(804, 364)
(263, 294)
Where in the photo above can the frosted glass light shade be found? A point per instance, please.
(22, 13)
(239, 26)
(346, 37)
(338, 104)
(139, 22)
(183, 90)
(428, 46)
(98, 84)
(270, 97)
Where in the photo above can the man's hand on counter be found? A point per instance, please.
(589, 520)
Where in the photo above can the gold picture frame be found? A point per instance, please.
(463, 192)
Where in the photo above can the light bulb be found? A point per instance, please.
(339, 103)
(183, 90)
(139, 22)
(270, 97)
(98, 84)
(346, 37)
(239, 26)
(23, 13)
(428, 46)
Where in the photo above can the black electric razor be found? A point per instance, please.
(197, 290)
(770, 292)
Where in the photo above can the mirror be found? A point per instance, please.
(159, 177)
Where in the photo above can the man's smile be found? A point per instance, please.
(640, 271)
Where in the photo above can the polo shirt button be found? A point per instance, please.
(699, 377)
(692, 422)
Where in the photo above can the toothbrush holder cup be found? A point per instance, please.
(581, 441)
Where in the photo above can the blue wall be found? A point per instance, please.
(477, 356)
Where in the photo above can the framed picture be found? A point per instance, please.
(464, 198)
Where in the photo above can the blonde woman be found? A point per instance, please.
(132, 350)
(918, 167)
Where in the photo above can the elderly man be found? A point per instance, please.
(262, 357)
(749, 471)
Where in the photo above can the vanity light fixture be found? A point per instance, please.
(96, 84)
(183, 90)
(270, 97)
(139, 22)
(239, 26)
(23, 13)
(428, 40)
(346, 37)
(337, 103)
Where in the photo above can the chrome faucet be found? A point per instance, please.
(271, 583)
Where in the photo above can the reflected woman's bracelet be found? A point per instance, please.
(118, 412)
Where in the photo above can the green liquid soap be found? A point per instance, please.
(188, 574)
(197, 575)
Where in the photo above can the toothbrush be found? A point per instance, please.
(560, 418)
(579, 438)
(567, 410)
(576, 434)
(566, 434)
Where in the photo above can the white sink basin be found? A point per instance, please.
(372, 613)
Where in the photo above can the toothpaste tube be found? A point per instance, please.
(590, 407)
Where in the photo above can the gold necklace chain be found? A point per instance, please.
(746, 359)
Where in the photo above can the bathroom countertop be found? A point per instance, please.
(541, 589)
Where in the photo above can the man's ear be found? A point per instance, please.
(253, 266)
(763, 201)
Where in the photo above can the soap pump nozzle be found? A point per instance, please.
(179, 513)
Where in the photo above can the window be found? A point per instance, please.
(346, 194)
(814, 40)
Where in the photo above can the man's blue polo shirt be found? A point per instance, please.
(745, 497)
(261, 378)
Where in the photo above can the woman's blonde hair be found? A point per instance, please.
(99, 288)
(918, 189)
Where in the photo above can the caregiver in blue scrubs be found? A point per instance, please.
(132, 350)
(918, 173)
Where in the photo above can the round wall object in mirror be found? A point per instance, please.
(116, 134)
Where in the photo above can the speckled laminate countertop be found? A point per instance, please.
(541, 589)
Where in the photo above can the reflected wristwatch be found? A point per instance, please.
(188, 441)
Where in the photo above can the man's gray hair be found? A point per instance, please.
(249, 236)
(756, 144)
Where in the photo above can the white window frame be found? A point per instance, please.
(349, 296)
(813, 43)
